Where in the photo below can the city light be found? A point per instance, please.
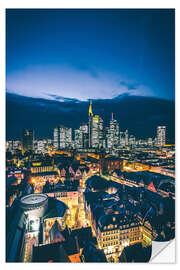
(90, 134)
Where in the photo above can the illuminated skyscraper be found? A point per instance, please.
(95, 130)
(78, 138)
(113, 134)
(81, 137)
(62, 137)
(41, 146)
(132, 140)
(108, 138)
(84, 130)
(13, 145)
(56, 138)
(161, 135)
(90, 124)
(101, 132)
(122, 139)
(28, 140)
(126, 137)
(150, 141)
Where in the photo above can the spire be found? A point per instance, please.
(112, 116)
(90, 108)
(151, 187)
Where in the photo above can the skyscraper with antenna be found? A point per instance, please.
(113, 133)
(90, 126)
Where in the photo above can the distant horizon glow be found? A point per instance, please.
(54, 82)
(90, 54)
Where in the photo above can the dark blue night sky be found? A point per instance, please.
(90, 54)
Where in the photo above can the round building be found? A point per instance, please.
(34, 204)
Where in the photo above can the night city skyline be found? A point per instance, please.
(111, 55)
(90, 134)
(142, 119)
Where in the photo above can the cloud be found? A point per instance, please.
(129, 85)
(62, 99)
(56, 82)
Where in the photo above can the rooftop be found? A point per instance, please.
(33, 199)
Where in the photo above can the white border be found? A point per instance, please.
(73, 4)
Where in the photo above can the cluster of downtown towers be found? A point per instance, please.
(94, 136)
(91, 135)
